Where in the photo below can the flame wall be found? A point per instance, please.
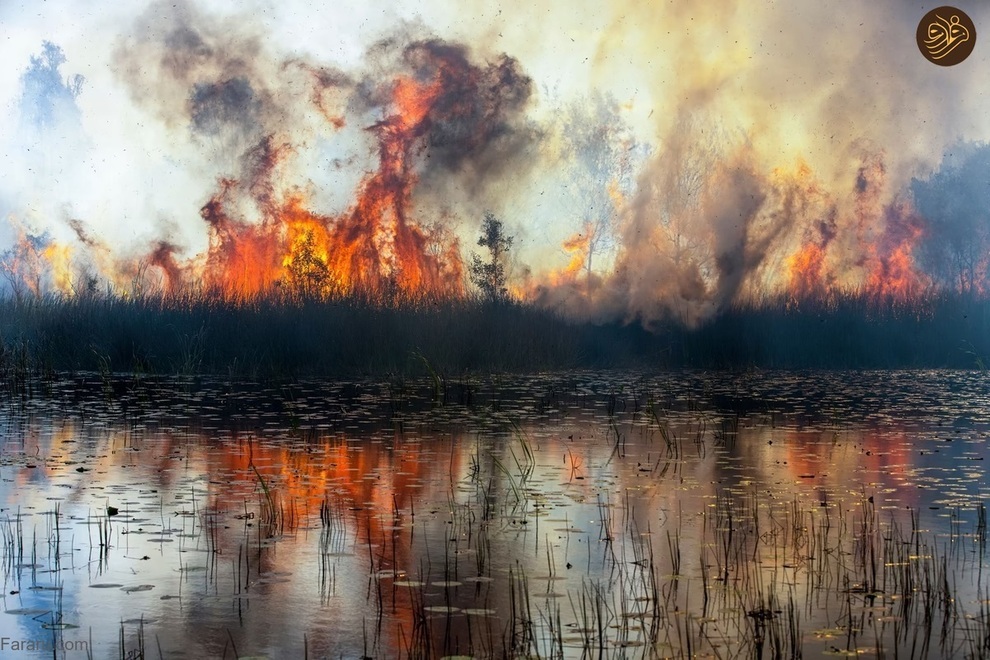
(651, 160)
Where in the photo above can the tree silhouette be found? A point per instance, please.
(489, 276)
(955, 202)
(47, 98)
(598, 152)
(307, 273)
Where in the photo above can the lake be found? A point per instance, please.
(607, 514)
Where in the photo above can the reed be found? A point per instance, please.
(283, 338)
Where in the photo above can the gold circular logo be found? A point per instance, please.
(946, 36)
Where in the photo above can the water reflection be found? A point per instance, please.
(615, 514)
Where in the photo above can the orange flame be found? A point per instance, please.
(374, 249)
(894, 274)
(577, 247)
(879, 262)
(37, 265)
(806, 270)
(59, 258)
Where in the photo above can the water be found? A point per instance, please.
(561, 515)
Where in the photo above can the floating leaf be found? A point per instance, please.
(140, 587)
(59, 626)
(441, 609)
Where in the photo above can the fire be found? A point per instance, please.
(806, 269)
(895, 277)
(38, 265)
(413, 101)
(879, 262)
(435, 112)
(242, 258)
(306, 263)
(375, 249)
(577, 247)
(59, 258)
(163, 257)
(893, 274)
(804, 202)
(709, 219)
(890, 269)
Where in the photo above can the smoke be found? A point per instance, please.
(422, 117)
(954, 204)
(785, 137)
(797, 80)
(654, 160)
(690, 235)
(47, 124)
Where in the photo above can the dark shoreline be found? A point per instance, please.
(278, 340)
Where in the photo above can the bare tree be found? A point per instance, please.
(22, 267)
(46, 97)
(600, 153)
(955, 203)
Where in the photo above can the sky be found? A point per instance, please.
(738, 95)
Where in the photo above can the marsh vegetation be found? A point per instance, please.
(286, 338)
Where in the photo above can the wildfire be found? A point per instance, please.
(375, 249)
(577, 247)
(894, 277)
(705, 222)
(879, 262)
(894, 274)
(806, 269)
(37, 265)
(59, 257)
(891, 272)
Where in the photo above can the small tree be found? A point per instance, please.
(46, 98)
(489, 276)
(308, 274)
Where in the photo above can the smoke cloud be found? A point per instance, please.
(653, 160)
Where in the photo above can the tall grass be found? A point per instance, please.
(284, 338)
(276, 338)
(851, 330)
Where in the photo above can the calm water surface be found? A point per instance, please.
(561, 515)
